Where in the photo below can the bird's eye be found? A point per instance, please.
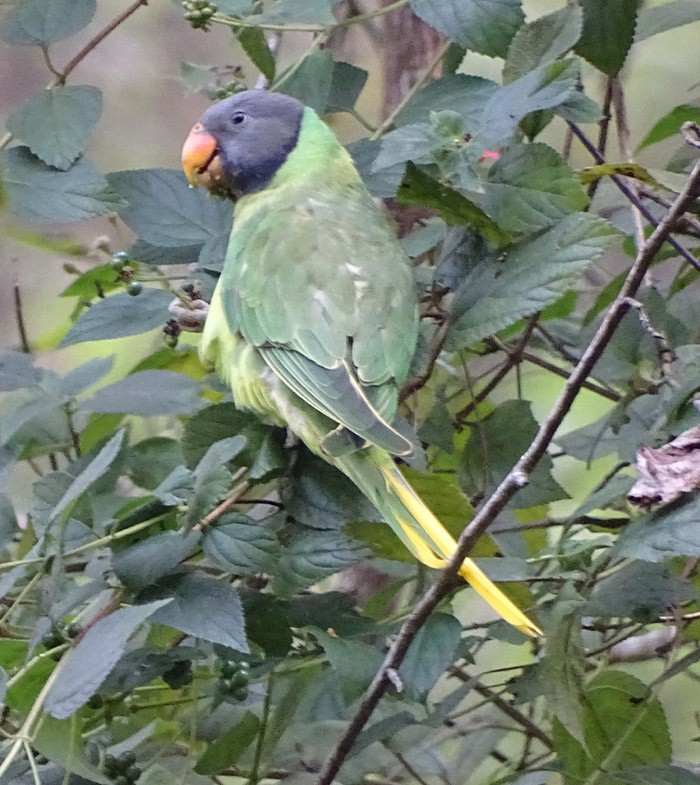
(238, 118)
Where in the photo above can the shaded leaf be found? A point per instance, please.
(670, 123)
(653, 20)
(43, 22)
(657, 775)
(41, 193)
(212, 479)
(17, 370)
(239, 544)
(55, 124)
(147, 393)
(608, 32)
(354, 662)
(592, 173)
(152, 460)
(462, 93)
(146, 562)
(224, 751)
(431, 652)
(8, 521)
(93, 658)
(299, 12)
(309, 81)
(120, 315)
(203, 608)
(484, 26)
(254, 44)
(347, 84)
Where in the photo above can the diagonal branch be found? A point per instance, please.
(516, 479)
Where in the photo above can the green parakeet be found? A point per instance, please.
(314, 320)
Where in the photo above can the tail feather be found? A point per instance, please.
(420, 530)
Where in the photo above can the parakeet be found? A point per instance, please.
(314, 320)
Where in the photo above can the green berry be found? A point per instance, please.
(239, 679)
(228, 668)
(240, 694)
(95, 702)
(127, 759)
(133, 773)
(112, 767)
(134, 288)
(73, 629)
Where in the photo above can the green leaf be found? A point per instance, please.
(657, 775)
(608, 32)
(148, 393)
(164, 211)
(380, 539)
(496, 296)
(212, 479)
(120, 315)
(346, 86)
(41, 193)
(419, 188)
(298, 12)
(254, 44)
(152, 460)
(55, 124)
(203, 608)
(310, 81)
(431, 652)
(241, 545)
(8, 521)
(95, 282)
(531, 187)
(17, 370)
(590, 174)
(88, 665)
(224, 751)
(502, 437)
(408, 143)
(148, 561)
(267, 622)
(671, 530)
(461, 93)
(90, 474)
(355, 663)
(442, 495)
(43, 22)
(657, 19)
(670, 123)
(484, 26)
(542, 40)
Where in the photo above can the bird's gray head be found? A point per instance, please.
(239, 143)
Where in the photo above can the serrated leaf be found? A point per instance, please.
(254, 44)
(484, 26)
(608, 32)
(43, 22)
(17, 370)
(93, 658)
(670, 124)
(310, 81)
(8, 521)
(55, 124)
(414, 142)
(212, 479)
(148, 393)
(241, 545)
(225, 750)
(419, 188)
(542, 40)
(203, 608)
(657, 775)
(298, 12)
(164, 211)
(90, 474)
(667, 16)
(355, 663)
(346, 86)
(150, 461)
(531, 187)
(462, 93)
(493, 298)
(146, 562)
(41, 193)
(120, 315)
(176, 488)
(140, 666)
(431, 652)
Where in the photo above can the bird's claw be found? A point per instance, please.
(190, 316)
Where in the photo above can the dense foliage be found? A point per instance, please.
(171, 609)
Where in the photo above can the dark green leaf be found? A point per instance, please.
(354, 662)
(670, 124)
(414, 142)
(432, 651)
(421, 189)
(176, 488)
(653, 20)
(461, 93)
(383, 730)
(90, 474)
(382, 184)
(148, 561)
(237, 8)
(43, 22)
(658, 775)
(93, 658)
(228, 748)
(203, 608)
(298, 12)
(380, 539)
(146, 253)
(493, 298)
(55, 124)
(484, 26)
(347, 84)
(148, 393)
(608, 32)
(542, 40)
(164, 211)
(120, 315)
(531, 187)
(442, 495)
(240, 545)
(309, 81)
(41, 193)
(141, 666)
(8, 521)
(212, 479)
(17, 370)
(152, 460)
(267, 622)
(254, 44)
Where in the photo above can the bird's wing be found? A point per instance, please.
(320, 285)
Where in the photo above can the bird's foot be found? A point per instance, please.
(191, 315)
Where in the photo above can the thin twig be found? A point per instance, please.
(418, 382)
(227, 503)
(516, 479)
(603, 128)
(19, 320)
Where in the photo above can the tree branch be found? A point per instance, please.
(516, 479)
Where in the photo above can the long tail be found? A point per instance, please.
(375, 473)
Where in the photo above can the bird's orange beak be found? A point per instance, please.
(198, 152)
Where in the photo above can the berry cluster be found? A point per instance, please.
(126, 273)
(122, 770)
(180, 675)
(57, 636)
(234, 678)
(199, 12)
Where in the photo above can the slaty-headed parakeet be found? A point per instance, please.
(314, 320)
